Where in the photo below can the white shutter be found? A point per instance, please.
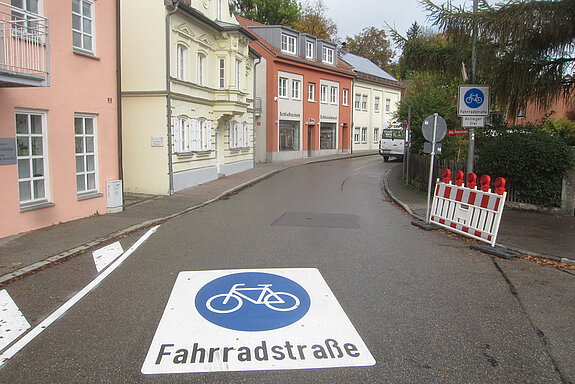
(209, 135)
(240, 134)
(176, 132)
(232, 136)
(249, 135)
(194, 128)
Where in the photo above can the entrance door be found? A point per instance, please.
(309, 139)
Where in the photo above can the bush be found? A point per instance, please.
(533, 161)
(563, 128)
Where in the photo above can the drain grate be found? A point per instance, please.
(318, 220)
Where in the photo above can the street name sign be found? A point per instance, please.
(252, 320)
(452, 132)
(473, 100)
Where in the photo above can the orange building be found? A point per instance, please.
(58, 109)
(303, 93)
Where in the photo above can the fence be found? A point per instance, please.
(419, 174)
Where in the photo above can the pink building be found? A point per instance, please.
(58, 111)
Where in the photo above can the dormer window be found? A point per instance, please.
(309, 49)
(327, 55)
(288, 44)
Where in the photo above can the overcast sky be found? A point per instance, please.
(353, 16)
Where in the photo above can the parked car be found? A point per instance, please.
(392, 141)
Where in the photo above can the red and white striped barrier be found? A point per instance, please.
(472, 212)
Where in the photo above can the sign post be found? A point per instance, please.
(473, 101)
(434, 129)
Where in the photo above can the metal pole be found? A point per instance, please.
(431, 168)
(471, 149)
(408, 146)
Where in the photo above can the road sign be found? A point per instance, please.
(427, 128)
(472, 121)
(427, 148)
(473, 100)
(452, 132)
(252, 320)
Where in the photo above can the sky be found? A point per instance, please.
(353, 16)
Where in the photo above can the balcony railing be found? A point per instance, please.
(24, 48)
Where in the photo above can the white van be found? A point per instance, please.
(392, 141)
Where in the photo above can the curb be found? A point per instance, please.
(408, 209)
(22, 272)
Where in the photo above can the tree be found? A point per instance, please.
(314, 21)
(372, 44)
(534, 44)
(270, 12)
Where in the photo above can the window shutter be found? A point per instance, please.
(194, 135)
(249, 135)
(176, 133)
(232, 136)
(240, 135)
(209, 135)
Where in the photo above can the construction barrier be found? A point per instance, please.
(469, 211)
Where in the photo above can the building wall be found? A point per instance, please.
(198, 154)
(79, 84)
(370, 119)
(309, 115)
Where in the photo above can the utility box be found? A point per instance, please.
(115, 196)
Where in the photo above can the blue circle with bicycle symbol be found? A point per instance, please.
(252, 301)
(474, 98)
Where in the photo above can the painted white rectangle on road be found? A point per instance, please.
(104, 256)
(12, 321)
(248, 320)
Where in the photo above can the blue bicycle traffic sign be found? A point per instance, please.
(252, 301)
(473, 100)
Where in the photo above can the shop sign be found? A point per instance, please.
(250, 320)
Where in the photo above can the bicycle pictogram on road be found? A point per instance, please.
(234, 299)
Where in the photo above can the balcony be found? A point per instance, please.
(24, 48)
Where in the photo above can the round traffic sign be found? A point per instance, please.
(427, 128)
(252, 301)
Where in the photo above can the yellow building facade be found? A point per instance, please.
(187, 94)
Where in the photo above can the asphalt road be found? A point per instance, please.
(427, 307)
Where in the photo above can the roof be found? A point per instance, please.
(363, 65)
(248, 24)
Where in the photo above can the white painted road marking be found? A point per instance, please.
(12, 321)
(104, 256)
(10, 352)
(192, 337)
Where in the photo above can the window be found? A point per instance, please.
(288, 43)
(333, 95)
(356, 135)
(295, 89)
(192, 135)
(364, 102)
(327, 55)
(181, 62)
(31, 27)
(310, 92)
(309, 48)
(357, 101)
(376, 104)
(323, 93)
(238, 74)
(375, 135)
(239, 135)
(283, 87)
(82, 24)
(86, 154)
(327, 136)
(201, 69)
(364, 135)
(345, 96)
(32, 157)
(387, 105)
(221, 73)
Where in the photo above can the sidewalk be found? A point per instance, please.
(23, 253)
(529, 233)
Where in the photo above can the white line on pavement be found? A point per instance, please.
(10, 352)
